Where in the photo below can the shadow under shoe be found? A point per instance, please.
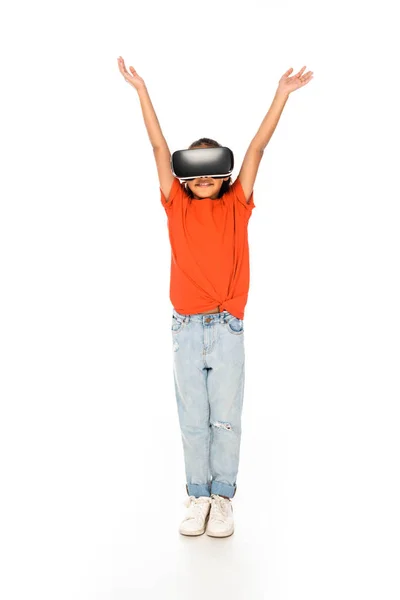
(195, 520)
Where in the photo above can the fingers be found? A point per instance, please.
(131, 76)
(136, 75)
(127, 76)
(307, 76)
(304, 77)
(300, 72)
(121, 63)
(121, 66)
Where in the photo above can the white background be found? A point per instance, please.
(92, 470)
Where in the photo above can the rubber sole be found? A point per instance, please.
(194, 533)
(230, 532)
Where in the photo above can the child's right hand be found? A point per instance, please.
(132, 77)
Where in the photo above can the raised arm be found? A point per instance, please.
(248, 172)
(157, 139)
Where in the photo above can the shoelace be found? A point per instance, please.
(219, 507)
(196, 505)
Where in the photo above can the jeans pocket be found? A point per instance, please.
(176, 324)
(235, 326)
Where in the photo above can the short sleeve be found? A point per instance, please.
(238, 193)
(176, 192)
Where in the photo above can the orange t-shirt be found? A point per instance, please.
(209, 250)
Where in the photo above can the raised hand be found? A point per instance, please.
(133, 78)
(289, 84)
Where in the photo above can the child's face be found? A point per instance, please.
(211, 190)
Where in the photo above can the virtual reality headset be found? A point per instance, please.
(202, 162)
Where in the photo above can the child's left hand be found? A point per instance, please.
(289, 84)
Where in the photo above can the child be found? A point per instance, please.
(207, 223)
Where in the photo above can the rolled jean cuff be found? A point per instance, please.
(223, 489)
(198, 489)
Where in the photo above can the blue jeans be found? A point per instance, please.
(208, 361)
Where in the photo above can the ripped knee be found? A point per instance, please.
(222, 425)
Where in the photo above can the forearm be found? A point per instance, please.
(270, 121)
(150, 119)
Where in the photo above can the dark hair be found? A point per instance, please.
(210, 144)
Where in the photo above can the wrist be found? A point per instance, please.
(280, 93)
(141, 89)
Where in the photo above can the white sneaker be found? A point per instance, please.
(220, 523)
(194, 522)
